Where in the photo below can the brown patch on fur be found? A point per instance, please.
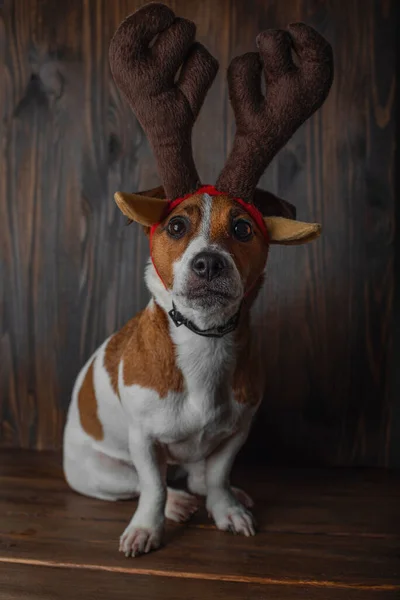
(149, 356)
(166, 250)
(250, 257)
(87, 405)
(114, 351)
(145, 346)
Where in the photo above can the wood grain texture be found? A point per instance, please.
(71, 273)
(27, 582)
(322, 534)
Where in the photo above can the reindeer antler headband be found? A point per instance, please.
(293, 94)
(147, 51)
(166, 109)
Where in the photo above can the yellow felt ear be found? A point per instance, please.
(142, 209)
(289, 232)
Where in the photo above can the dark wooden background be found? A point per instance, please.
(71, 273)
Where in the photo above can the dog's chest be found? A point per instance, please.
(205, 422)
(188, 425)
(192, 422)
(209, 406)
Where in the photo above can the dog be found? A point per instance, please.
(181, 382)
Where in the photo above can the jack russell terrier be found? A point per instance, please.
(180, 383)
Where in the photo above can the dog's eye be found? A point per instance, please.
(242, 230)
(177, 227)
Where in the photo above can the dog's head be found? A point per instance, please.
(209, 245)
(208, 250)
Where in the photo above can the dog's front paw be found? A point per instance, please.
(138, 540)
(231, 515)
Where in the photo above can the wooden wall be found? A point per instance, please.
(71, 273)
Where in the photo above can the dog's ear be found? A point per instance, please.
(279, 218)
(289, 232)
(145, 208)
(270, 205)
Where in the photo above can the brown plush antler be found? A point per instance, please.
(145, 72)
(293, 93)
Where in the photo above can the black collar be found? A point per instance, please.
(214, 332)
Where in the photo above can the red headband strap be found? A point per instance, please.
(211, 191)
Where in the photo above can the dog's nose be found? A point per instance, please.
(208, 265)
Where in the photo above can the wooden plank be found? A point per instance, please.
(280, 509)
(394, 374)
(265, 559)
(325, 532)
(310, 518)
(39, 169)
(27, 582)
(318, 538)
(334, 502)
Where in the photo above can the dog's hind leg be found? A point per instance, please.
(101, 476)
(180, 505)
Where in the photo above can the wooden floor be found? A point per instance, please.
(323, 534)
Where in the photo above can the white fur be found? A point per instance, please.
(202, 428)
(206, 217)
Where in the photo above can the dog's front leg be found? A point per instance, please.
(222, 503)
(144, 532)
